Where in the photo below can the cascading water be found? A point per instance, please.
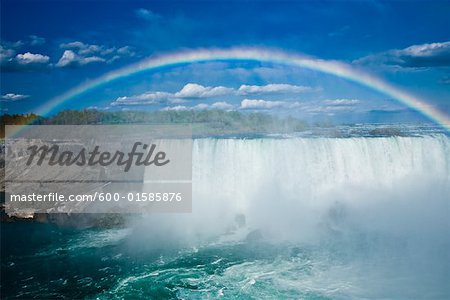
(262, 178)
(309, 218)
(372, 206)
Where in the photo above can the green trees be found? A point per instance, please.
(205, 121)
(17, 119)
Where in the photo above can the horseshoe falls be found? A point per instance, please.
(272, 218)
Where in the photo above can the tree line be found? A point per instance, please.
(204, 121)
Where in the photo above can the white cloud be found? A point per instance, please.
(78, 54)
(70, 58)
(202, 106)
(30, 58)
(266, 104)
(427, 49)
(216, 105)
(13, 97)
(93, 49)
(327, 108)
(150, 98)
(342, 102)
(125, 51)
(415, 56)
(176, 108)
(9, 61)
(273, 88)
(189, 91)
(222, 105)
(91, 59)
(77, 45)
(66, 59)
(193, 90)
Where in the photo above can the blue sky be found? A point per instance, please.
(48, 47)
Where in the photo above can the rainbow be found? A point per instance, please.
(335, 68)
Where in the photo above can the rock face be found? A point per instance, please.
(93, 177)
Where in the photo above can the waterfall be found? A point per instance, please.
(369, 216)
(305, 169)
(293, 187)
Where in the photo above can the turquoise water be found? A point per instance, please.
(46, 262)
(55, 263)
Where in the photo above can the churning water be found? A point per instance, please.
(303, 218)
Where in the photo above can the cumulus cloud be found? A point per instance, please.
(66, 59)
(202, 106)
(10, 61)
(188, 92)
(222, 105)
(87, 49)
(13, 97)
(415, 56)
(310, 106)
(70, 58)
(23, 61)
(273, 88)
(266, 104)
(193, 90)
(342, 102)
(30, 58)
(328, 108)
(82, 48)
(77, 54)
(125, 51)
(177, 108)
(150, 98)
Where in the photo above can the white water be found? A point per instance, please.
(270, 179)
(379, 204)
(293, 187)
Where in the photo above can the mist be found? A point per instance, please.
(379, 205)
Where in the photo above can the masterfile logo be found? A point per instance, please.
(95, 157)
(98, 168)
